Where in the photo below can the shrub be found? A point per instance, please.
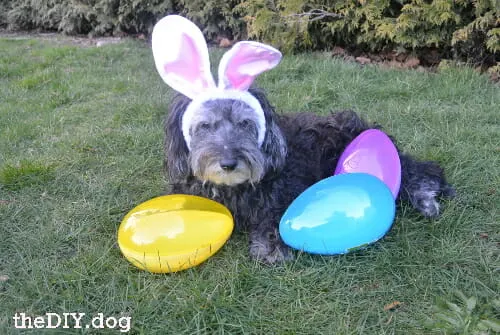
(464, 29)
(135, 16)
(459, 26)
(216, 17)
(97, 17)
(5, 7)
(273, 21)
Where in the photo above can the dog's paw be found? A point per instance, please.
(270, 255)
(424, 197)
(426, 203)
(268, 248)
(422, 184)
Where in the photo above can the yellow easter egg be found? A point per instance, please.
(174, 232)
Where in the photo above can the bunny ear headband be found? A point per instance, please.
(181, 58)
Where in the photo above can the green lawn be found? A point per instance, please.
(81, 145)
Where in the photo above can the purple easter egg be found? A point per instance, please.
(374, 153)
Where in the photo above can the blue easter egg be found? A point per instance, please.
(339, 214)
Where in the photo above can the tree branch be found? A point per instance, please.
(314, 15)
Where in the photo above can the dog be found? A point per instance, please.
(226, 142)
(258, 184)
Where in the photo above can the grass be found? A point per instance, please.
(81, 144)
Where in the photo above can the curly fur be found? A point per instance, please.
(298, 150)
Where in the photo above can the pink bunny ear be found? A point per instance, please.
(181, 56)
(240, 66)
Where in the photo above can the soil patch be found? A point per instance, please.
(57, 38)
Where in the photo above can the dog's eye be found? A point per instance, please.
(244, 123)
(204, 125)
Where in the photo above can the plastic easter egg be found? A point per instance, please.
(373, 152)
(339, 214)
(174, 232)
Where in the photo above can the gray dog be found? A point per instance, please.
(258, 183)
(225, 142)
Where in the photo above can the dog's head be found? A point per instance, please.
(224, 143)
(224, 134)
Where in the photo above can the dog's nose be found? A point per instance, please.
(228, 164)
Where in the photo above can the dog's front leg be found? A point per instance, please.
(266, 245)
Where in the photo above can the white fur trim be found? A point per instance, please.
(169, 34)
(217, 94)
(245, 68)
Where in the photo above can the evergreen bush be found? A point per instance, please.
(463, 29)
(95, 17)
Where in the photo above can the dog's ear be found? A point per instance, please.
(176, 151)
(274, 146)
